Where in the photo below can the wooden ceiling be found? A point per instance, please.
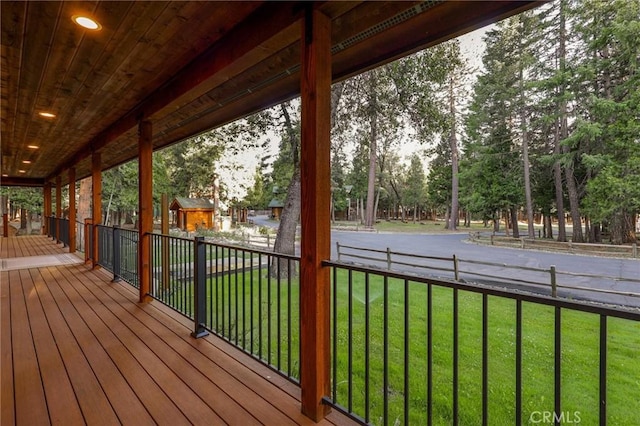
(187, 66)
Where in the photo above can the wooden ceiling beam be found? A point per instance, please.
(18, 181)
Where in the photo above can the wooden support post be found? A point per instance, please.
(145, 208)
(96, 202)
(47, 207)
(315, 298)
(58, 206)
(5, 224)
(72, 210)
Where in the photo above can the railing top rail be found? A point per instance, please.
(256, 251)
(629, 314)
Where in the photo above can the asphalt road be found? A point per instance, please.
(446, 245)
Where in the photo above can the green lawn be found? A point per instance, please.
(253, 303)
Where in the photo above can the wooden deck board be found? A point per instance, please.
(77, 348)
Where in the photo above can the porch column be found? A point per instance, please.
(58, 206)
(47, 207)
(315, 88)
(72, 210)
(96, 201)
(145, 209)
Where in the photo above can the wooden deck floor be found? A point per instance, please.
(77, 349)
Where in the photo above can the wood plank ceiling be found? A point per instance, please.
(188, 66)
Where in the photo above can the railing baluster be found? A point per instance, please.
(367, 308)
(518, 361)
(350, 343)
(236, 298)
(485, 360)
(407, 397)
(385, 344)
(429, 354)
(334, 343)
(603, 370)
(260, 304)
(557, 364)
(278, 322)
(289, 274)
(455, 356)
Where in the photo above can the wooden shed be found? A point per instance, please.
(193, 213)
(276, 207)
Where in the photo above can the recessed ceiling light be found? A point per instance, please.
(5, 175)
(33, 146)
(22, 171)
(26, 161)
(86, 22)
(46, 114)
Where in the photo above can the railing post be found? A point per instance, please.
(388, 259)
(456, 272)
(522, 242)
(554, 288)
(491, 239)
(116, 254)
(634, 250)
(199, 294)
(338, 249)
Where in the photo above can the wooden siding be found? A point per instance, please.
(77, 348)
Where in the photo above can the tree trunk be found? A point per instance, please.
(453, 145)
(23, 219)
(514, 222)
(84, 199)
(574, 204)
(562, 106)
(622, 228)
(286, 236)
(505, 214)
(525, 160)
(370, 213)
(415, 211)
(447, 218)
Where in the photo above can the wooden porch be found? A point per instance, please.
(78, 349)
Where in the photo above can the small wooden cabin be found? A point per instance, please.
(193, 213)
(276, 207)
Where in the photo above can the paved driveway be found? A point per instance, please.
(446, 245)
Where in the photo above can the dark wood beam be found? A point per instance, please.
(145, 208)
(315, 88)
(18, 181)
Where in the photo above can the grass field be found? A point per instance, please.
(260, 314)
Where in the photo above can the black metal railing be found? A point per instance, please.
(412, 350)
(64, 231)
(53, 230)
(248, 297)
(118, 253)
(408, 349)
(105, 247)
